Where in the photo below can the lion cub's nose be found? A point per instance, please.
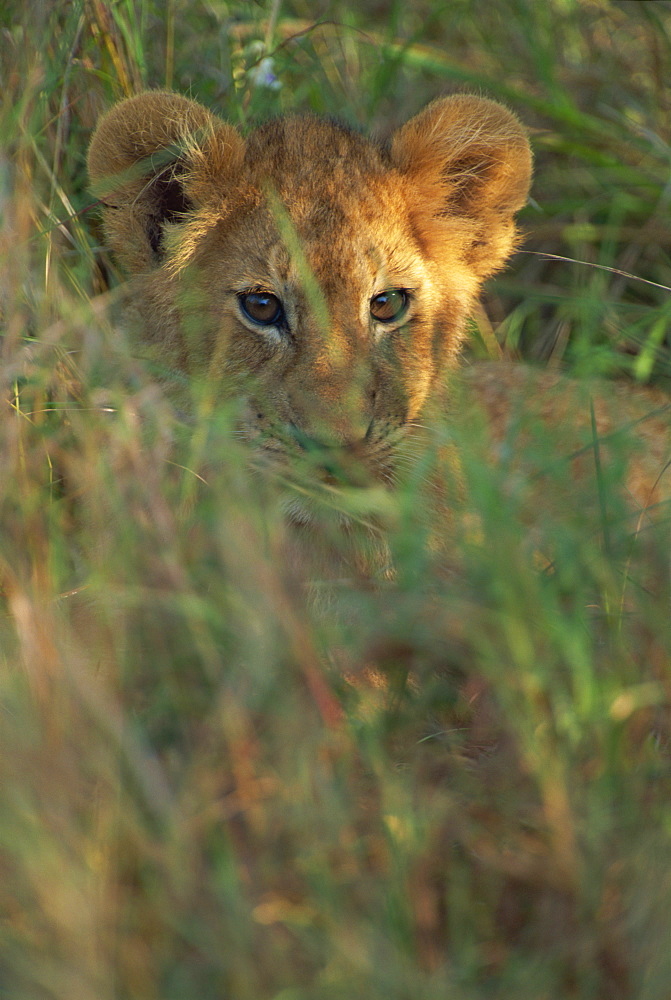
(330, 439)
(334, 413)
(336, 461)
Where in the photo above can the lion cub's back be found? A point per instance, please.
(584, 422)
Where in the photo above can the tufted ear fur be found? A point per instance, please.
(157, 159)
(468, 162)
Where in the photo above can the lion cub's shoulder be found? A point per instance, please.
(536, 415)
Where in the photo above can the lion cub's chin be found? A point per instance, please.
(337, 537)
(369, 506)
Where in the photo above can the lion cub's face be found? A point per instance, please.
(323, 277)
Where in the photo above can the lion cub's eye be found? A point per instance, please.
(263, 308)
(388, 306)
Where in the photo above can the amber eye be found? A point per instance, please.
(388, 306)
(263, 308)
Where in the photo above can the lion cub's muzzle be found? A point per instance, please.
(337, 462)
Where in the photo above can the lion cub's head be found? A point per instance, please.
(324, 277)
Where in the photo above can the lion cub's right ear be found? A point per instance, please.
(156, 159)
(469, 163)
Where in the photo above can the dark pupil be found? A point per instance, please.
(388, 305)
(262, 307)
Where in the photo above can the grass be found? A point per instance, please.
(453, 785)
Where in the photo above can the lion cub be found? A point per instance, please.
(326, 279)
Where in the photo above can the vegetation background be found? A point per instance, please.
(452, 785)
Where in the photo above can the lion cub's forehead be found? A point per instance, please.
(337, 187)
(300, 147)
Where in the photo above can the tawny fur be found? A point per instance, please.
(326, 220)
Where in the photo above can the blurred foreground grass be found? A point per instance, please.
(456, 784)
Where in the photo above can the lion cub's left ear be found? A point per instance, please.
(469, 163)
(157, 160)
